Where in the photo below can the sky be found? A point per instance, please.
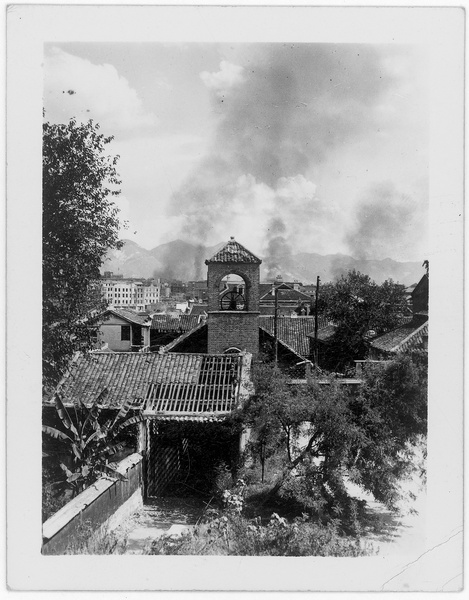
(287, 147)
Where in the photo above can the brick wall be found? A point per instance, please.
(227, 329)
(249, 272)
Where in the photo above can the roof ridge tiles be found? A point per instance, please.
(233, 251)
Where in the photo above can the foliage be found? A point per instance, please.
(80, 223)
(391, 409)
(87, 443)
(232, 534)
(357, 305)
(329, 432)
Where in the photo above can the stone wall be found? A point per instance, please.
(102, 502)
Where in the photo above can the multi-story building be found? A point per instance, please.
(130, 293)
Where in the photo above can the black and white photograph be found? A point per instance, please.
(240, 271)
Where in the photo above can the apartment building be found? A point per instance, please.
(130, 293)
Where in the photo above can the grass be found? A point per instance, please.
(102, 541)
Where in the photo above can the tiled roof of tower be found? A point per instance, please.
(234, 252)
(194, 386)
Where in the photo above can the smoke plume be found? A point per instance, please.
(385, 219)
(278, 250)
(282, 110)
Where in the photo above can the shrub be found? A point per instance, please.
(233, 535)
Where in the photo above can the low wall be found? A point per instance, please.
(105, 500)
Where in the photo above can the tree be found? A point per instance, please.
(358, 306)
(329, 433)
(80, 223)
(391, 410)
(87, 442)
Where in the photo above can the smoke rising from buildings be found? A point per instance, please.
(282, 112)
(278, 250)
(385, 218)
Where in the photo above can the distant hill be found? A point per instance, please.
(174, 260)
(185, 261)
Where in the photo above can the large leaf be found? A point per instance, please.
(124, 410)
(56, 433)
(66, 470)
(109, 450)
(76, 452)
(74, 477)
(131, 421)
(93, 436)
(64, 416)
(95, 410)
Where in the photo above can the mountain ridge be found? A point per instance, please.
(185, 261)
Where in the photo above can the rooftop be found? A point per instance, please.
(292, 332)
(189, 386)
(405, 337)
(286, 295)
(234, 252)
(179, 324)
(130, 316)
(199, 309)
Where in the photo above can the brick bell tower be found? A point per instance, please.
(233, 307)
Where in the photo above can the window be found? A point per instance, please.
(125, 333)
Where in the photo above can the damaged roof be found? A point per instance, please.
(234, 252)
(189, 386)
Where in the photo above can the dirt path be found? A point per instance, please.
(165, 516)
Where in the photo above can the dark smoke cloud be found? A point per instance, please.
(384, 220)
(293, 106)
(278, 250)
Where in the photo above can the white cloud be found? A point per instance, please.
(75, 87)
(227, 77)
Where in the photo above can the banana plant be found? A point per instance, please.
(89, 444)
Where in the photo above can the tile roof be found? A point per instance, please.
(183, 385)
(292, 332)
(405, 337)
(184, 336)
(179, 324)
(130, 315)
(199, 309)
(234, 252)
(286, 296)
(325, 333)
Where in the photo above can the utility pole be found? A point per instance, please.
(275, 326)
(316, 325)
(276, 290)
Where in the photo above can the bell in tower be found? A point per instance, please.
(233, 300)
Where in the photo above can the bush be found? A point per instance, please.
(233, 535)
